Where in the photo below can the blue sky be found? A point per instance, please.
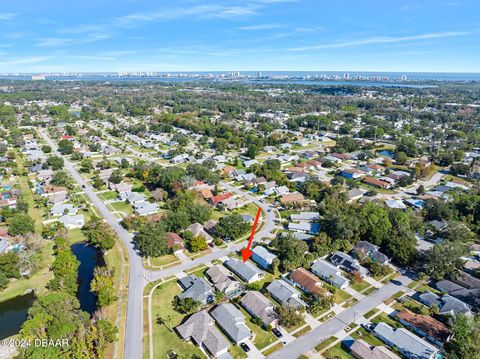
(231, 35)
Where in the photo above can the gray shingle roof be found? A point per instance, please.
(408, 343)
(285, 294)
(200, 327)
(329, 272)
(232, 322)
(259, 305)
(246, 271)
(196, 288)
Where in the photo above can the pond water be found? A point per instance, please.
(13, 313)
(89, 258)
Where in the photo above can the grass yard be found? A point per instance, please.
(359, 286)
(388, 320)
(108, 195)
(369, 290)
(340, 296)
(424, 287)
(390, 277)
(163, 260)
(164, 338)
(263, 338)
(337, 352)
(325, 343)
(394, 297)
(273, 349)
(302, 331)
(236, 352)
(371, 313)
(122, 207)
(369, 338)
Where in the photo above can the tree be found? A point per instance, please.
(65, 270)
(319, 303)
(376, 223)
(65, 147)
(421, 190)
(151, 240)
(232, 226)
(116, 177)
(86, 165)
(466, 338)
(102, 285)
(46, 149)
(401, 158)
(291, 252)
(252, 151)
(54, 162)
(443, 260)
(9, 265)
(288, 316)
(197, 244)
(185, 305)
(61, 178)
(99, 234)
(20, 224)
(3, 280)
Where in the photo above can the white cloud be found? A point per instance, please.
(260, 27)
(24, 60)
(381, 40)
(7, 16)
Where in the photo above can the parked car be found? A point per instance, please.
(245, 347)
(277, 332)
(368, 327)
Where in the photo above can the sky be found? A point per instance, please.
(239, 35)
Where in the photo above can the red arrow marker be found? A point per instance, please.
(246, 252)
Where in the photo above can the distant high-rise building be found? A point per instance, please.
(346, 76)
(38, 77)
(403, 77)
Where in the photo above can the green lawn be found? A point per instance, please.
(388, 320)
(369, 338)
(164, 338)
(122, 207)
(262, 337)
(337, 352)
(371, 313)
(325, 343)
(359, 286)
(273, 349)
(236, 352)
(302, 331)
(108, 195)
(340, 296)
(424, 287)
(163, 260)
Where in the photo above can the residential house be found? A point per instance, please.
(145, 208)
(198, 231)
(447, 304)
(308, 282)
(200, 328)
(259, 306)
(425, 326)
(347, 263)
(407, 343)
(367, 249)
(72, 222)
(329, 273)
(223, 282)
(304, 227)
(196, 288)
(263, 257)
(377, 183)
(360, 349)
(175, 242)
(292, 199)
(232, 322)
(352, 173)
(61, 209)
(219, 199)
(305, 216)
(285, 294)
(246, 271)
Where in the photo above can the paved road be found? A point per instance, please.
(308, 341)
(134, 323)
(138, 276)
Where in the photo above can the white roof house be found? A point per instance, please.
(71, 222)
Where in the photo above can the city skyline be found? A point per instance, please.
(276, 35)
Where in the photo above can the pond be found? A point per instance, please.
(13, 313)
(89, 258)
